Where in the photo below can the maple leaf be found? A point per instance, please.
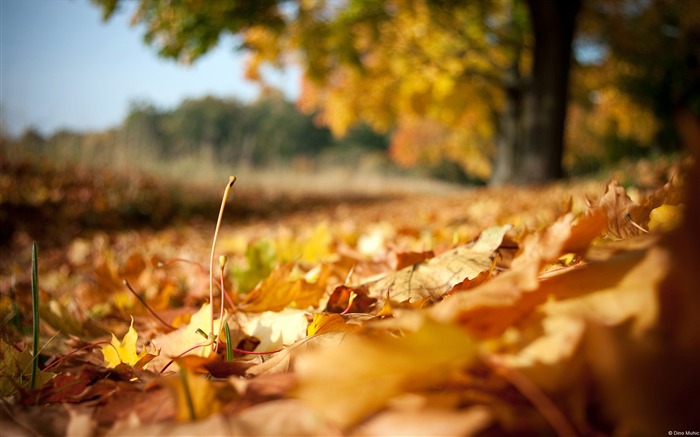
(509, 296)
(434, 277)
(124, 351)
(279, 290)
(16, 370)
(625, 217)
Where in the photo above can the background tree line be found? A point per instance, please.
(270, 131)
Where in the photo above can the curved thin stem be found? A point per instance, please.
(148, 307)
(231, 181)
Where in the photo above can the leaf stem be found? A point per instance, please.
(548, 409)
(148, 307)
(230, 183)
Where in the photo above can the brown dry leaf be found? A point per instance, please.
(506, 298)
(289, 417)
(435, 277)
(281, 417)
(401, 260)
(214, 366)
(613, 291)
(609, 293)
(81, 423)
(426, 422)
(622, 290)
(350, 300)
(278, 291)
(468, 284)
(132, 268)
(365, 372)
(566, 235)
(621, 211)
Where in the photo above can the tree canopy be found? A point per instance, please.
(483, 83)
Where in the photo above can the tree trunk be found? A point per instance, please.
(509, 136)
(553, 24)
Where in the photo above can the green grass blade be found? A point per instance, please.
(35, 316)
(188, 395)
(229, 346)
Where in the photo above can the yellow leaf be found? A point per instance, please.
(197, 397)
(357, 377)
(278, 291)
(323, 323)
(274, 329)
(124, 351)
(665, 218)
(318, 246)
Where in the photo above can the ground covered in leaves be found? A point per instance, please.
(570, 309)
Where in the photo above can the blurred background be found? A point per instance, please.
(471, 92)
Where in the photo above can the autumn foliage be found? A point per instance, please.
(566, 310)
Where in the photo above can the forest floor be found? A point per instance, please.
(374, 309)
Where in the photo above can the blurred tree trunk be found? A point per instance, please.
(509, 132)
(540, 152)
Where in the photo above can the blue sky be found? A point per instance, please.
(62, 67)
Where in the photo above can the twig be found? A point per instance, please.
(148, 307)
(553, 415)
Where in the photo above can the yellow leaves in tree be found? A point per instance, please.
(124, 351)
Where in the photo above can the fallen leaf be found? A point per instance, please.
(665, 218)
(174, 343)
(124, 351)
(622, 213)
(17, 369)
(365, 372)
(346, 299)
(197, 397)
(274, 329)
(285, 360)
(406, 259)
(426, 422)
(278, 291)
(261, 258)
(435, 277)
(323, 323)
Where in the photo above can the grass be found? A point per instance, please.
(35, 318)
